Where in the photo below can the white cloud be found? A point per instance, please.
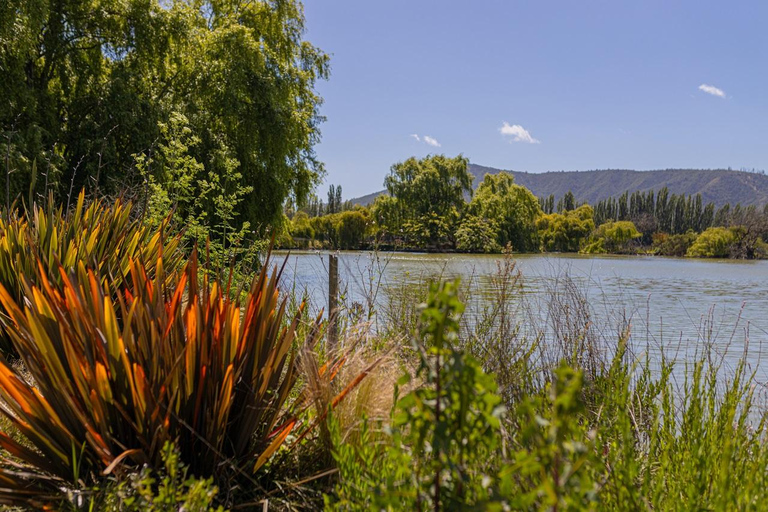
(426, 139)
(519, 133)
(711, 89)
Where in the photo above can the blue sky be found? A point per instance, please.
(541, 85)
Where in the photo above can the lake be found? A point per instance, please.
(678, 305)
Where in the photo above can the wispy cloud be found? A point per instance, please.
(518, 133)
(711, 89)
(426, 139)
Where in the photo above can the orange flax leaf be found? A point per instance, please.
(176, 300)
(13, 387)
(191, 349)
(127, 334)
(98, 413)
(337, 367)
(274, 445)
(139, 390)
(224, 402)
(96, 442)
(10, 305)
(102, 382)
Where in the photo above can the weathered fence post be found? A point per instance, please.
(333, 302)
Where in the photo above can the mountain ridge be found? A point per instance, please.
(718, 186)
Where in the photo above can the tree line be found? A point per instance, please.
(430, 205)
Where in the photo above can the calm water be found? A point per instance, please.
(679, 305)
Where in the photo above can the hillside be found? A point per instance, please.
(719, 186)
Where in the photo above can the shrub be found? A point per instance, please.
(300, 226)
(565, 232)
(513, 207)
(345, 230)
(351, 228)
(613, 237)
(167, 490)
(712, 243)
(476, 234)
(112, 383)
(444, 433)
(673, 245)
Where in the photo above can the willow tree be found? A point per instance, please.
(88, 85)
(512, 207)
(427, 198)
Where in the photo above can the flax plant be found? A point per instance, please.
(167, 361)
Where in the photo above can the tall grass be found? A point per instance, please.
(619, 430)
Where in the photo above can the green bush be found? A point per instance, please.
(612, 237)
(565, 232)
(712, 243)
(170, 489)
(476, 234)
(443, 442)
(444, 448)
(512, 207)
(345, 230)
(301, 227)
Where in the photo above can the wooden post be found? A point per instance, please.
(333, 303)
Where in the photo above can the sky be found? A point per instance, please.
(540, 85)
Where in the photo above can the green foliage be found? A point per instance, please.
(627, 438)
(301, 227)
(476, 234)
(447, 429)
(426, 199)
(352, 228)
(444, 435)
(565, 232)
(206, 203)
(513, 207)
(169, 490)
(345, 230)
(613, 237)
(387, 214)
(712, 243)
(363, 468)
(555, 466)
(89, 84)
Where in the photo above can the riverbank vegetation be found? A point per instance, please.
(142, 381)
(430, 206)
